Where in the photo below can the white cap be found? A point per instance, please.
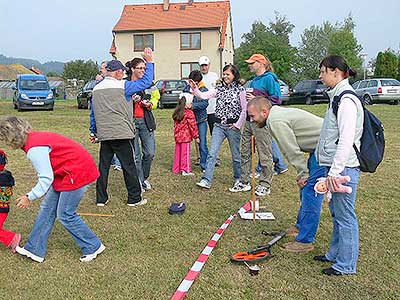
(204, 60)
(188, 97)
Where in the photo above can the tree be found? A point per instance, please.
(313, 48)
(344, 43)
(319, 41)
(387, 64)
(52, 74)
(272, 42)
(80, 69)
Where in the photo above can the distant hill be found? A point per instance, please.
(53, 66)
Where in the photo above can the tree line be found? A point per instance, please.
(292, 64)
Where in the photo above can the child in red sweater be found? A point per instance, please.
(185, 130)
(8, 238)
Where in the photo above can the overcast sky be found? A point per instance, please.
(66, 30)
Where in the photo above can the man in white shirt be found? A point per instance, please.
(210, 80)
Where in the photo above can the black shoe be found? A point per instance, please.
(331, 271)
(321, 258)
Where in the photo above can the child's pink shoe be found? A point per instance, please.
(15, 242)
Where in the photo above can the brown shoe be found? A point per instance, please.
(292, 231)
(298, 247)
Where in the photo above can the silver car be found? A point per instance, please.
(378, 90)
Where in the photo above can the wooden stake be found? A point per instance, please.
(95, 215)
(253, 179)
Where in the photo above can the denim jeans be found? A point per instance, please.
(220, 133)
(203, 143)
(115, 161)
(144, 152)
(311, 203)
(279, 163)
(63, 206)
(344, 244)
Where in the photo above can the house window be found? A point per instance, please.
(141, 41)
(188, 67)
(191, 41)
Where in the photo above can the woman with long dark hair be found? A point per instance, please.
(145, 102)
(342, 128)
(230, 114)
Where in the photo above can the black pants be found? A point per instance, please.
(125, 153)
(211, 122)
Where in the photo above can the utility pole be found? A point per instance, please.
(364, 56)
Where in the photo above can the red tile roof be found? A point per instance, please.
(179, 16)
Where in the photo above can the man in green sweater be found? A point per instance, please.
(297, 132)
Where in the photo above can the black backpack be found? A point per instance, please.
(372, 140)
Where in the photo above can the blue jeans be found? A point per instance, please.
(343, 250)
(115, 161)
(311, 203)
(203, 143)
(63, 206)
(220, 133)
(279, 163)
(145, 151)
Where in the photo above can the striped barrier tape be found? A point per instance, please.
(195, 270)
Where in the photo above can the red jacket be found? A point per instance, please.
(72, 165)
(186, 130)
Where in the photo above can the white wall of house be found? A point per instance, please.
(168, 55)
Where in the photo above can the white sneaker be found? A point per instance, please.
(256, 175)
(280, 172)
(141, 202)
(102, 204)
(203, 184)
(117, 168)
(262, 190)
(240, 187)
(90, 257)
(146, 185)
(22, 251)
(184, 173)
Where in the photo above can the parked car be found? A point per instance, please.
(169, 91)
(285, 91)
(32, 91)
(85, 94)
(308, 92)
(378, 90)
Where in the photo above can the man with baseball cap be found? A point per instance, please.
(210, 80)
(114, 124)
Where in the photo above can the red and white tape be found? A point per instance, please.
(201, 260)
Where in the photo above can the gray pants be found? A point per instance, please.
(264, 150)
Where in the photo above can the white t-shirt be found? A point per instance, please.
(210, 80)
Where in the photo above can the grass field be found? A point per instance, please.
(149, 252)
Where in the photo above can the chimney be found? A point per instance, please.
(166, 5)
(190, 2)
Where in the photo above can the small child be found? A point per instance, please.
(185, 130)
(199, 108)
(8, 238)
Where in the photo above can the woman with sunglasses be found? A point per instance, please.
(145, 102)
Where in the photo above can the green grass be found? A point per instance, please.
(149, 252)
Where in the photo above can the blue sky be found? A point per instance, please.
(65, 30)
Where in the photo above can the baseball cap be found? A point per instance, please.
(188, 97)
(257, 57)
(114, 65)
(204, 60)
